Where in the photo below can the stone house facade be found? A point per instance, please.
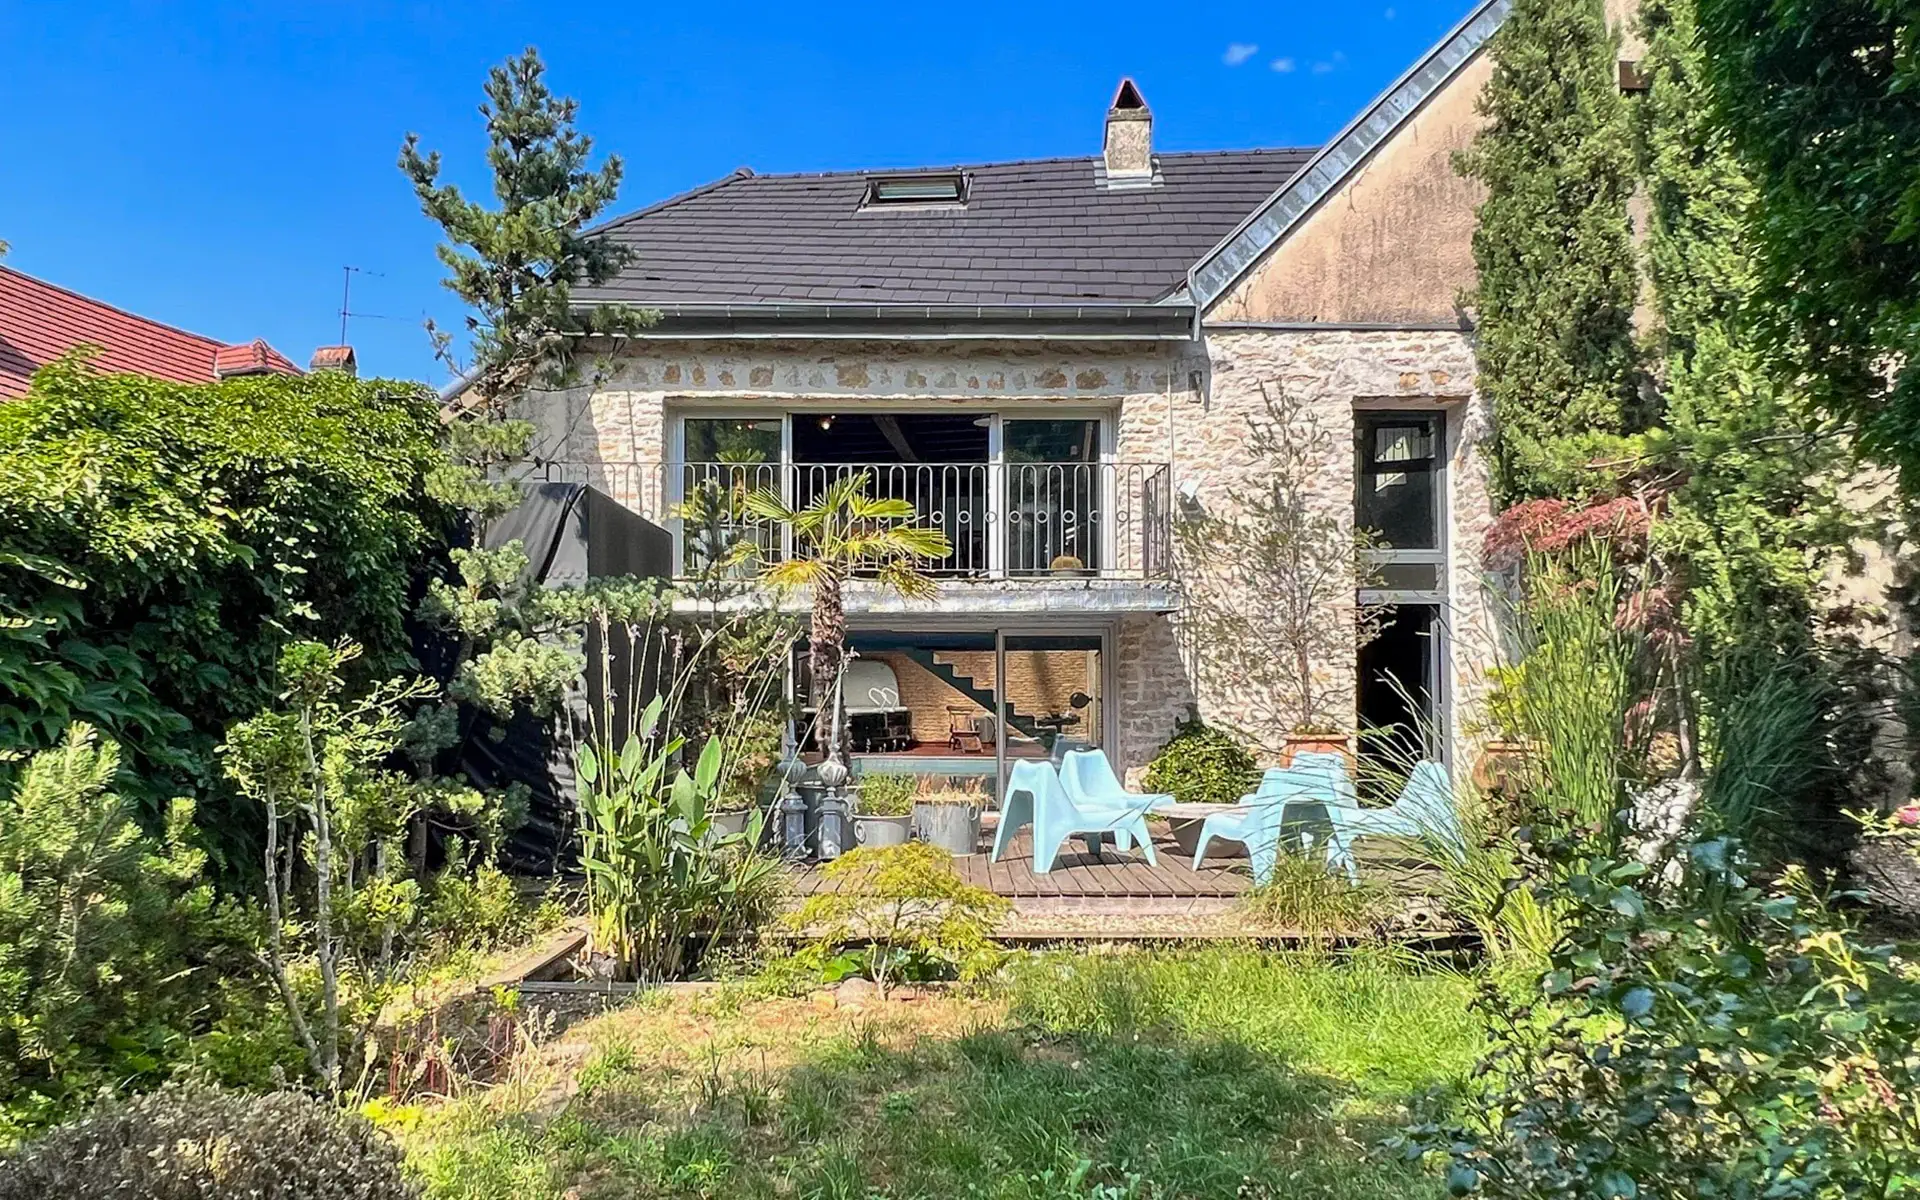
(1059, 359)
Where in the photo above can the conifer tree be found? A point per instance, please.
(516, 265)
(1554, 300)
(1753, 513)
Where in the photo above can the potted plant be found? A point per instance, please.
(1503, 756)
(883, 814)
(1270, 580)
(948, 818)
(732, 810)
(1311, 738)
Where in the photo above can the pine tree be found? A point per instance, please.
(516, 266)
(1555, 294)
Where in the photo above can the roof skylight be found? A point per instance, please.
(919, 191)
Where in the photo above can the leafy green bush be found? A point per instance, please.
(1708, 1038)
(659, 872)
(909, 905)
(1202, 766)
(207, 1144)
(164, 540)
(887, 795)
(104, 935)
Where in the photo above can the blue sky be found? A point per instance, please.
(216, 165)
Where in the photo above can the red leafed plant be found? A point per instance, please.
(1548, 526)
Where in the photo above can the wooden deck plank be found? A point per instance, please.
(1077, 876)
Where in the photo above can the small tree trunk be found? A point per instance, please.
(824, 656)
(276, 960)
(323, 914)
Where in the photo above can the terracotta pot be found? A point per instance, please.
(1317, 743)
(1499, 763)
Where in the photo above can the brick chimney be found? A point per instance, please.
(334, 358)
(1129, 140)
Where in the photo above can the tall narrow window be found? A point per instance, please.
(1399, 480)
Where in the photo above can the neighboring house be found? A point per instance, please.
(40, 321)
(1050, 358)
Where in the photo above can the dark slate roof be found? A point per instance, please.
(1037, 232)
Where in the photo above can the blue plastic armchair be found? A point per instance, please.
(1288, 809)
(1039, 795)
(1424, 810)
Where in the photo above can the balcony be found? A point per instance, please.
(1006, 521)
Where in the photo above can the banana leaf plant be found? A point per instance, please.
(662, 877)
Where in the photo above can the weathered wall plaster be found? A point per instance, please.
(1394, 244)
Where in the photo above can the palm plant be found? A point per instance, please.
(846, 531)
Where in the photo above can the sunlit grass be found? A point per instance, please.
(1205, 1073)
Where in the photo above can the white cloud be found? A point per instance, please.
(1238, 53)
(1321, 68)
(1283, 65)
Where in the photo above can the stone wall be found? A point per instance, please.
(1333, 373)
(1175, 403)
(613, 432)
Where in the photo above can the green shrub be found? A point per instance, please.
(104, 937)
(887, 795)
(909, 905)
(164, 540)
(208, 1144)
(1202, 766)
(1709, 1039)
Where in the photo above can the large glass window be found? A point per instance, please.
(732, 440)
(949, 707)
(725, 459)
(1399, 479)
(1053, 484)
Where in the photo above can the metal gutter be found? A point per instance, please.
(1340, 158)
(775, 320)
(1461, 326)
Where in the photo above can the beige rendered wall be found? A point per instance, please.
(1393, 244)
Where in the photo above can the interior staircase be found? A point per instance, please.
(1021, 723)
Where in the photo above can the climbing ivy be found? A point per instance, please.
(163, 541)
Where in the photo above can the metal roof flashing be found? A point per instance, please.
(1268, 224)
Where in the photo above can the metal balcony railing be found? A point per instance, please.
(1109, 520)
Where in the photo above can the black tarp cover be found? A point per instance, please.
(571, 533)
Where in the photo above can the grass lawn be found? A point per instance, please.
(1224, 1072)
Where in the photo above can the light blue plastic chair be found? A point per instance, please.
(1038, 795)
(1425, 810)
(1289, 801)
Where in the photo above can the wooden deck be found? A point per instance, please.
(1080, 880)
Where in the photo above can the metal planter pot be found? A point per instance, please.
(869, 831)
(954, 828)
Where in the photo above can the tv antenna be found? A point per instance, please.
(346, 296)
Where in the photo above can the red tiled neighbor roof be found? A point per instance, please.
(39, 322)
